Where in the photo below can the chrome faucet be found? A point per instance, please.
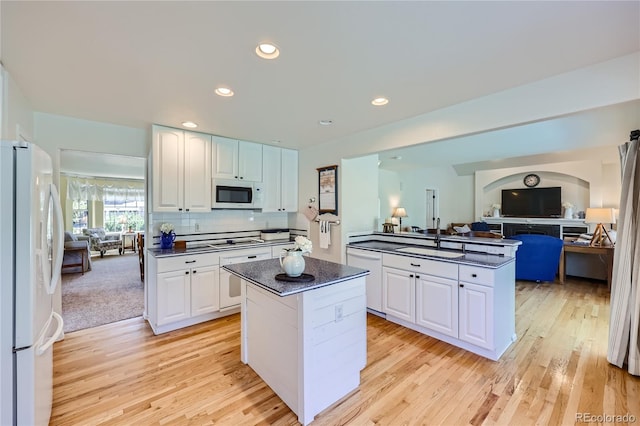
(438, 233)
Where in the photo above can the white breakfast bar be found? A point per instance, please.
(306, 340)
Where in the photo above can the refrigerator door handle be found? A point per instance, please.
(43, 348)
(58, 239)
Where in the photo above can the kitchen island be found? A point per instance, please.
(306, 340)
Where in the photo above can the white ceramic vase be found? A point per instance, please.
(292, 263)
(496, 212)
(568, 213)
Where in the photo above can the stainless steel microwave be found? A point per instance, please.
(234, 194)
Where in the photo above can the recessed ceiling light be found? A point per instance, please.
(325, 122)
(267, 51)
(189, 124)
(380, 101)
(224, 91)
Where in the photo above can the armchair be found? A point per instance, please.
(100, 240)
(74, 260)
(538, 258)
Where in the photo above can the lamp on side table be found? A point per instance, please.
(399, 212)
(599, 216)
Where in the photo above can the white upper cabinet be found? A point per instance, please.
(168, 169)
(181, 170)
(250, 161)
(280, 179)
(225, 158)
(234, 159)
(197, 172)
(289, 197)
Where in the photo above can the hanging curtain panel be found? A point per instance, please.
(112, 190)
(624, 324)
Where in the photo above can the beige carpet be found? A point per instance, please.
(111, 291)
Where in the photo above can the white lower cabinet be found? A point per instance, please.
(398, 296)
(187, 293)
(437, 304)
(174, 297)
(468, 306)
(476, 320)
(204, 296)
(182, 291)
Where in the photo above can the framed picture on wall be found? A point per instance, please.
(328, 189)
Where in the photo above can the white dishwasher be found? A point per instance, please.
(230, 284)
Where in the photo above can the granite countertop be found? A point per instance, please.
(474, 259)
(418, 236)
(211, 248)
(263, 272)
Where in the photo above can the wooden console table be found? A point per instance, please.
(77, 247)
(585, 249)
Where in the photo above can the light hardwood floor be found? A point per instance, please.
(122, 374)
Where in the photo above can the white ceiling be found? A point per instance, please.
(83, 163)
(138, 63)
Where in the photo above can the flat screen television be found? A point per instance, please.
(532, 202)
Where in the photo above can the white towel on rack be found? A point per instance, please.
(325, 234)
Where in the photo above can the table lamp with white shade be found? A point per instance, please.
(399, 212)
(600, 216)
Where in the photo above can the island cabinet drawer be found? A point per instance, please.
(276, 250)
(425, 266)
(176, 263)
(477, 275)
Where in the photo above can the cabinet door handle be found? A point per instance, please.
(461, 285)
(417, 276)
(474, 275)
(194, 271)
(180, 209)
(410, 275)
(189, 261)
(252, 257)
(186, 272)
(413, 264)
(187, 209)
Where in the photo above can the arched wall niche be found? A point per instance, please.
(582, 183)
(574, 190)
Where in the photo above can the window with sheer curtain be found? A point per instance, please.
(122, 200)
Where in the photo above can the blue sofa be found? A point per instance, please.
(538, 257)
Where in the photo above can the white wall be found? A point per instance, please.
(56, 132)
(17, 114)
(389, 193)
(455, 195)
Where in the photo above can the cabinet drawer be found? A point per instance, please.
(176, 263)
(276, 250)
(477, 275)
(244, 255)
(425, 266)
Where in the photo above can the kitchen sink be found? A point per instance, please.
(431, 252)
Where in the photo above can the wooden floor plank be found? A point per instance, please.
(121, 374)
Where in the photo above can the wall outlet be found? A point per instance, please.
(338, 313)
(197, 227)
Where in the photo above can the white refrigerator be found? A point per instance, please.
(31, 250)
